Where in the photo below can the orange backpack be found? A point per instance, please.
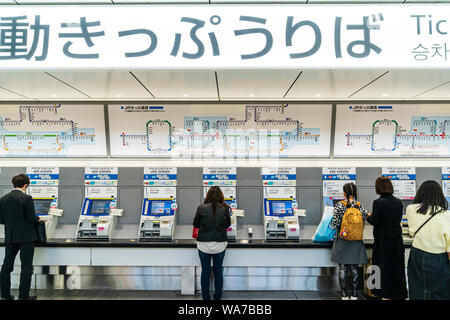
(352, 226)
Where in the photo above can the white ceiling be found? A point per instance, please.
(226, 85)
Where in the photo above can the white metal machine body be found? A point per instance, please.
(158, 214)
(99, 213)
(281, 214)
(226, 179)
(159, 206)
(45, 201)
(43, 188)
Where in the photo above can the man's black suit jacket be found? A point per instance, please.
(19, 217)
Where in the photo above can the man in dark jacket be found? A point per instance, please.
(19, 217)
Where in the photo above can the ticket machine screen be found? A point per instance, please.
(160, 207)
(406, 203)
(100, 207)
(336, 201)
(228, 201)
(280, 207)
(42, 206)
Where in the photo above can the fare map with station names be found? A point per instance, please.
(220, 130)
(52, 130)
(392, 130)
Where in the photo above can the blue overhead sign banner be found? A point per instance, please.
(219, 176)
(399, 173)
(101, 176)
(279, 176)
(338, 176)
(43, 175)
(160, 176)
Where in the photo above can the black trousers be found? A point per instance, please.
(26, 257)
(344, 270)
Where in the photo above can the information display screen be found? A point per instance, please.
(42, 206)
(406, 203)
(281, 207)
(100, 207)
(336, 201)
(160, 207)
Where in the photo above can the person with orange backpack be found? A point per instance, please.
(348, 248)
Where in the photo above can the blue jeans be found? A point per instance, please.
(205, 260)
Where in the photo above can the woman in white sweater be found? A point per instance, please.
(429, 259)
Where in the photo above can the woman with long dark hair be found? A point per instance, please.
(348, 254)
(429, 265)
(388, 252)
(212, 220)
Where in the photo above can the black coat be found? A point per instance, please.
(388, 252)
(386, 216)
(18, 215)
(212, 227)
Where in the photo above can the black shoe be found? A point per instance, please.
(8, 298)
(29, 298)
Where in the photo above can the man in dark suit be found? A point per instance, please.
(18, 215)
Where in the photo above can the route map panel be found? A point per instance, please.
(208, 130)
(414, 130)
(52, 130)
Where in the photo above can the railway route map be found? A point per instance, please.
(211, 131)
(414, 130)
(52, 130)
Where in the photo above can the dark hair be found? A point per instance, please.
(430, 195)
(215, 196)
(383, 185)
(350, 191)
(20, 180)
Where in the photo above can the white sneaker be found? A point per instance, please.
(345, 298)
(353, 298)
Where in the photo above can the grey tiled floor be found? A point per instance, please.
(175, 295)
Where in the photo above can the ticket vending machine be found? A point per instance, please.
(404, 182)
(280, 219)
(281, 212)
(225, 178)
(44, 190)
(99, 213)
(158, 214)
(159, 206)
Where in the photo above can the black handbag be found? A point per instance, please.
(41, 234)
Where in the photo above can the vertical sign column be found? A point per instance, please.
(225, 178)
(333, 181)
(101, 182)
(404, 182)
(44, 183)
(446, 182)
